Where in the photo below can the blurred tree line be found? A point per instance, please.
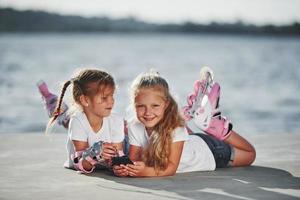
(38, 21)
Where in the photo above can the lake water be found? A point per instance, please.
(259, 76)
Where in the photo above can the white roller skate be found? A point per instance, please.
(202, 112)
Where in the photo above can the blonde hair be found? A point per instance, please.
(88, 82)
(156, 154)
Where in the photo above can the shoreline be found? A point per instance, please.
(31, 168)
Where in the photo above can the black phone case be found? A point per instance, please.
(121, 160)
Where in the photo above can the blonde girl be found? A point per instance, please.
(160, 144)
(94, 134)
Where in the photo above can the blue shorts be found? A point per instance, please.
(223, 153)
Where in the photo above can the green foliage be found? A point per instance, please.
(37, 21)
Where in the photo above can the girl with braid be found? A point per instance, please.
(162, 140)
(94, 134)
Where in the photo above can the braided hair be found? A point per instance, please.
(88, 82)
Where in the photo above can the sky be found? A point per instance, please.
(173, 11)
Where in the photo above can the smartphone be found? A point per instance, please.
(121, 160)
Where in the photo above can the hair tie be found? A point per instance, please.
(74, 80)
(77, 82)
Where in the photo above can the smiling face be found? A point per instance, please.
(150, 105)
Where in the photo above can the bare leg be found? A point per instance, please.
(244, 152)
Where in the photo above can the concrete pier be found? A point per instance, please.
(31, 168)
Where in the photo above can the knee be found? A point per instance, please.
(244, 158)
(252, 156)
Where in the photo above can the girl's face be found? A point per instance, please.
(150, 106)
(102, 103)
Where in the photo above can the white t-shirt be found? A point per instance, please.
(196, 155)
(112, 131)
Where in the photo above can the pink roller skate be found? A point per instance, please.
(50, 100)
(202, 111)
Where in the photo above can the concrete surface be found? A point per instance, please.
(31, 168)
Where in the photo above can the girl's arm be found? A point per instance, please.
(118, 146)
(108, 150)
(139, 169)
(81, 146)
(134, 155)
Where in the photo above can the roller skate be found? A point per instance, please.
(50, 101)
(202, 112)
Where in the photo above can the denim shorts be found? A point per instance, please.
(223, 153)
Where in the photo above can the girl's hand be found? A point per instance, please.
(136, 169)
(108, 151)
(120, 170)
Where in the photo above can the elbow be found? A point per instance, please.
(171, 169)
(166, 173)
(172, 173)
